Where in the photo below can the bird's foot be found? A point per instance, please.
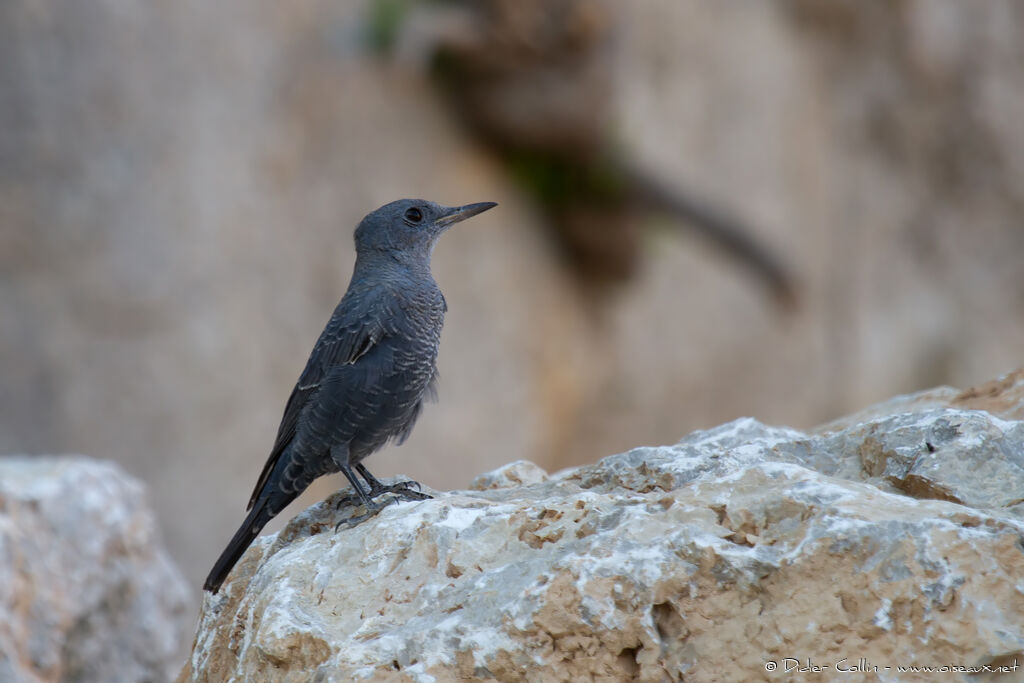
(371, 511)
(404, 490)
(349, 499)
(400, 491)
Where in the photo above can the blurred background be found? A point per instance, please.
(784, 209)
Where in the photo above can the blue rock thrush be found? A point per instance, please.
(369, 373)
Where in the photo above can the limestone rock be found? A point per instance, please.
(515, 473)
(889, 543)
(86, 591)
(1002, 397)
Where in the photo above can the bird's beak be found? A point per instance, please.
(461, 213)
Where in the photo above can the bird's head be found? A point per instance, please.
(410, 227)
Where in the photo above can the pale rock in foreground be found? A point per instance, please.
(87, 593)
(889, 542)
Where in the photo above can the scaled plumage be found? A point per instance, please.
(369, 372)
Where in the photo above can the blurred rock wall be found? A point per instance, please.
(88, 593)
(179, 183)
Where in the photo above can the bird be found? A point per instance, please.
(366, 380)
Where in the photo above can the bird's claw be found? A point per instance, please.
(348, 499)
(406, 490)
(400, 491)
(371, 511)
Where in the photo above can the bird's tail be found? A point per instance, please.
(258, 516)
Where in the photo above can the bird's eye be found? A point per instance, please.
(414, 215)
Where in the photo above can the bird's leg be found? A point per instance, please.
(339, 454)
(372, 508)
(403, 489)
(366, 500)
(376, 487)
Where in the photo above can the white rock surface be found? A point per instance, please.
(891, 543)
(87, 592)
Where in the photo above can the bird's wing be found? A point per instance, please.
(351, 332)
